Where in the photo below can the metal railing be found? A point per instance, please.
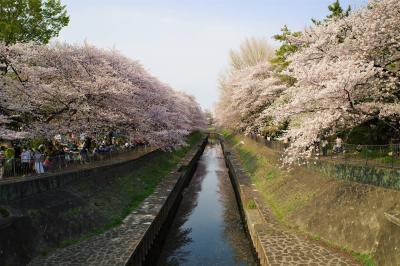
(383, 156)
(16, 167)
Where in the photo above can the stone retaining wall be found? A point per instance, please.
(131, 242)
(381, 177)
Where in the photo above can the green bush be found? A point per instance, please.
(4, 213)
(10, 153)
(35, 143)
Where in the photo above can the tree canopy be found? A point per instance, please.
(31, 20)
(251, 52)
(61, 88)
(344, 73)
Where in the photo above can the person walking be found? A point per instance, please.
(38, 158)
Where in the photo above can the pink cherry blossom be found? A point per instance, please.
(63, 88)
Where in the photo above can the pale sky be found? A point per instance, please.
(186, 43)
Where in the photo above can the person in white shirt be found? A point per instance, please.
(339, 145)
(324, 145)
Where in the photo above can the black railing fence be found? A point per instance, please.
(384, 156)
(17, 167)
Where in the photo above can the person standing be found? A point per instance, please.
(2, 162)
(84, 155)
(38, 157)
(286, 143)
(339, 145)
(324, 146)
(17, 160)
(25, 161)
(47, 163)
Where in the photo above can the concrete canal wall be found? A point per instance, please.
(172, 195)
(130, 242)
(250, 217)
(275, 243)
(361, 218)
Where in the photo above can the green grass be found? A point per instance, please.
(130, 190)
(72, 212)
(366, 259)
(251, 204)
(263, 172)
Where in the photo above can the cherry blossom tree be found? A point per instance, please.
(344, 71)
(347, 72)
(248, 92)
(247, 88)
(63, 88)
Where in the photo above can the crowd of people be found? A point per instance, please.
(19, 160)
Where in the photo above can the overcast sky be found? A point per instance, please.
(186, 43)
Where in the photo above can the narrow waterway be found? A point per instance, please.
(207, 229)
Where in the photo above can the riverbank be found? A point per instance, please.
(82, 209)
(343, 215)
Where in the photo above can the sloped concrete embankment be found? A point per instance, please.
(275, 244)
(129, 243)
(330, 204)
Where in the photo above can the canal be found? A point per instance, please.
(207, 228)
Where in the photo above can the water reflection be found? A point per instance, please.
(207, 229)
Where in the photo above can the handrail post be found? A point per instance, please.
(14, 167)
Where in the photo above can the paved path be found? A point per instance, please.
(282, 245)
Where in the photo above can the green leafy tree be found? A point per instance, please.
(280, 60)
(337, 12)
(31, 20)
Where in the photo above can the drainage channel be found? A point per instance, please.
(207, 228)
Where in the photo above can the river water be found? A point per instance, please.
(207, 228)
